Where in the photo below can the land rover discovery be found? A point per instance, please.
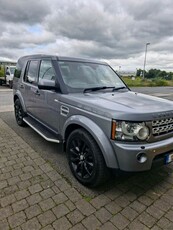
(86, 106)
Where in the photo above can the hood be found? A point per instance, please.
(123, 105)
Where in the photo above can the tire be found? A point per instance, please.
(85, 159)
(11, 84)
(19, 113)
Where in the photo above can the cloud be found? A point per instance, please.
(20, 11)
(88, 21)
(113, 30)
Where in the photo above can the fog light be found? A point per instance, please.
(142, 157)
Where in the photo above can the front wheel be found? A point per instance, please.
(85, 159)
(19, 113)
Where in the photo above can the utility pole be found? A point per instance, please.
(145, 59)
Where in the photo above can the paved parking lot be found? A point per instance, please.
(37, 190)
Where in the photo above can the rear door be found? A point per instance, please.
(30, 85)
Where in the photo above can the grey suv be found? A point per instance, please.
(87, 107)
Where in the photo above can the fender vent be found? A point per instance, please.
(64, 111)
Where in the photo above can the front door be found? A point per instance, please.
(47, 101)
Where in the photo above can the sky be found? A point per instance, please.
(115, 31)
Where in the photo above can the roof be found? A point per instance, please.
(62, 58)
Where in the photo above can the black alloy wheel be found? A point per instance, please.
(19, 113)
(85, 159)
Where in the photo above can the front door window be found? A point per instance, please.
(46, 73)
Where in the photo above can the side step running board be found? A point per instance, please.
(40, 129)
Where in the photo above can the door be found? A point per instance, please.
(30, 85)
(47, 101)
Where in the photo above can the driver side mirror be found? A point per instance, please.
(47, 84)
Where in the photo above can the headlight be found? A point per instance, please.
(122, 130)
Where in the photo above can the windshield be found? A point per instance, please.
(81, 75)
(12, 69)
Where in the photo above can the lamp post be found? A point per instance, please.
(145, 58)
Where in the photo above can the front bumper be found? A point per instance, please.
(127, 154)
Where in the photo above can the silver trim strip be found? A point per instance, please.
(41, 134)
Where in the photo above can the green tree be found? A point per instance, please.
(151, 74)
(139, 72)
(169, 76)
(2, 72)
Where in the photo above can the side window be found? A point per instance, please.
(17, 71)
(46, 73)
(19, 66)
(31, 72)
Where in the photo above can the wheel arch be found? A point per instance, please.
(18, 95)
(15, 98)
(96, 132)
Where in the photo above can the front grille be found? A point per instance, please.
(160, 127)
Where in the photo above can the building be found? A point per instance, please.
(4, 63)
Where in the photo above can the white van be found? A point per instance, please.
(9, 75)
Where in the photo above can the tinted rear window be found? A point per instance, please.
(18, 70)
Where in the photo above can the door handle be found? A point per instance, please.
(21, 86)
(37, 92)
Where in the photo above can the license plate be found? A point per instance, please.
(169, 158)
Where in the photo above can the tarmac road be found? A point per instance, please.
(6, 99)
(164, 92)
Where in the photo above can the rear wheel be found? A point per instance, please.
(85, 159)
(19, 113)
(11, 84)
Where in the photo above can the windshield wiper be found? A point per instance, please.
(118, 88)
(98, 88)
